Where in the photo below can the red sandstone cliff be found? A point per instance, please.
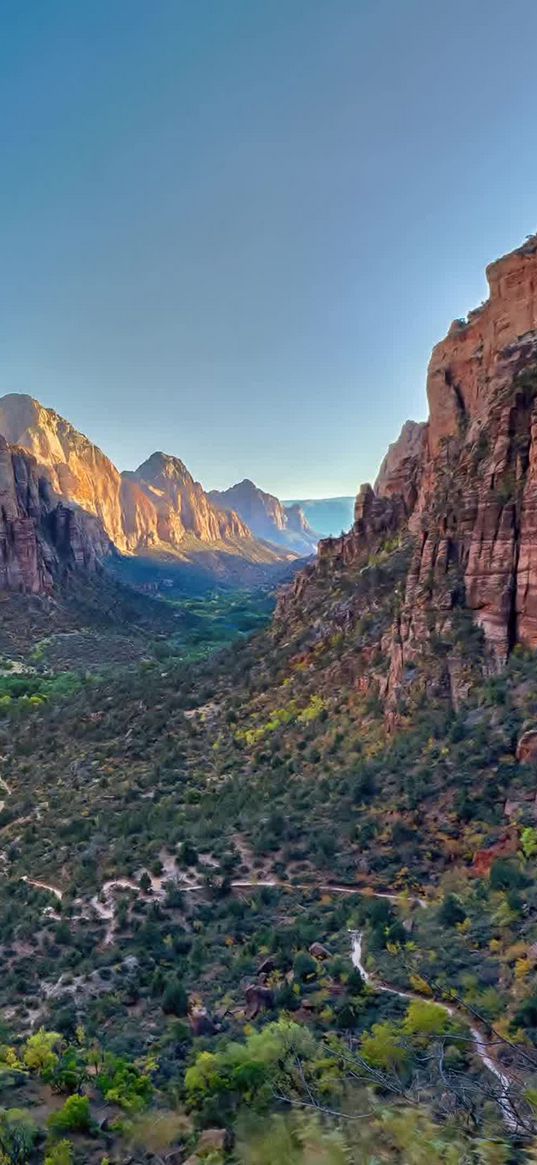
(159, 507)
(462, 490)
(40, 536)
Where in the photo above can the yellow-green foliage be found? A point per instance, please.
(59, 1154)
(282, 716)
(382, 1047)
(424, 1018)
(245, 1069)
(39, 1055)
(528, 842)
(312, 710)
(9, 1061)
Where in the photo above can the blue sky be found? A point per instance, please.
(233, 229)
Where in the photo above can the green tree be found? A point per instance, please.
(451, 911)
(60, 1153)
(382, 1047)
(74, 1117)
(304, 966)
(174, 998)
(122, 1082)
(18, 1134)
(425, 1019)
(39, 1054)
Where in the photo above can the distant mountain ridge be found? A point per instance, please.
(267, 517)
(328, 516)
(156, 509)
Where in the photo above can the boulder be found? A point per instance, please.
(258, 998)
(526, 752)
(201, 1022)
(319, 952)
(212, 1141)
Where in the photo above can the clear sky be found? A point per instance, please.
(233, 229)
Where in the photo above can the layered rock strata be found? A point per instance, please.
(462, 488)
(40, 537)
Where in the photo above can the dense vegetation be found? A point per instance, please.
(147, 996)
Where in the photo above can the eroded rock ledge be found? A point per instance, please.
(462, 487)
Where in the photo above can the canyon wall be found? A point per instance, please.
(157, 507)
(40, 536)
(461, 489)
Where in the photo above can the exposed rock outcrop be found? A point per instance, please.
(77, 470)
(399, 474)
(462, 491)
(318, 951)
(40, 536)
(258, 999)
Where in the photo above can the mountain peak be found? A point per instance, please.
(165, 465)
(267, 517)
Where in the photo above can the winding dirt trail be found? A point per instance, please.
(105, 907)
(507, 1109)
(43, 886)
(6, 789)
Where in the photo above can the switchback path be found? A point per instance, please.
(104, 906)
(479, 1036)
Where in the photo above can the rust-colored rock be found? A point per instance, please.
(40, 537)
(318, 951)
(400, 473)
(484, 859)
(77, 470)
(461, 493)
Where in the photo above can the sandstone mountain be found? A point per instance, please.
(157, 509)
(328, 516)
(39, 535)
(459, 496)
(77, 470)
(163, 488)
(267, 517)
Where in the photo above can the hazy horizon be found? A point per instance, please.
(234, 232)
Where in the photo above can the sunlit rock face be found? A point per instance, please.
(158, 505)
(180, 505)
(77, 470)
(462, 490)
(40, 536)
